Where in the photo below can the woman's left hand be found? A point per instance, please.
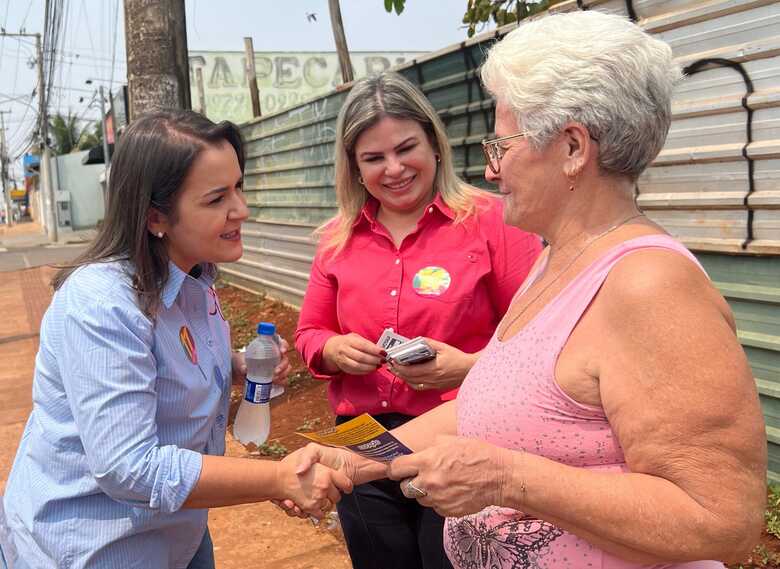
(446, 371)
(459, 476)
(238, 366)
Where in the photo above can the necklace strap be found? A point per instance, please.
(502, 328)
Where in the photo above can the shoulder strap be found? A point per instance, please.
(567, 308)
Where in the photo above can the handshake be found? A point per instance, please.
(313, 478)
(456, 476)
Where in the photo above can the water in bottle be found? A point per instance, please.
(253, 421)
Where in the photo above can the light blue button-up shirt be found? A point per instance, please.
(122, 413)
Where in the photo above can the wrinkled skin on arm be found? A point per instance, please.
(658, 350)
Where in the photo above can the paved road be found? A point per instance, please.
(14, 259)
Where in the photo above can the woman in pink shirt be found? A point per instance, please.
(414, 249)
(612, 420)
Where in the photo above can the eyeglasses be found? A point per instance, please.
(493, 151)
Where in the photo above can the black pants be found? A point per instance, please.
(386, 530)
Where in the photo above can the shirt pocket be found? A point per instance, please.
(451, 277)
(185, 393)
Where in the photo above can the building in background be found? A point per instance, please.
(284, 79)
(78, 193)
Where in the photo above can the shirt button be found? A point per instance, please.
(398, 261)
(383, 403)
(210, 343)
(393, 292)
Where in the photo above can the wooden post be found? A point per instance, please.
(201, 92)
(251, 76)
(341, 41)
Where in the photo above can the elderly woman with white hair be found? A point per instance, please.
(612, 420)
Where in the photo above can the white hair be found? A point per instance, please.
(592, 68)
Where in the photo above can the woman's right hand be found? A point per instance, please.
(353, 354)
(315, 490)
(358, 469)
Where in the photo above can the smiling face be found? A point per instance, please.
(529, 180)
(208, 213)
(397, 164)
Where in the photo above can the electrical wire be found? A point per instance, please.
(115, 34)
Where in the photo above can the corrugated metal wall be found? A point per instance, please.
(715, 185)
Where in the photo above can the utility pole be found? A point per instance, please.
(157, 65)
(201, 91)
(45, 186)
(106, 159)
(251, 75)
(341, 41)
(9, 217)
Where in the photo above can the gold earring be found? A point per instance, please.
(360, 181)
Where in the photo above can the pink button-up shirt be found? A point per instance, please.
(450, 282)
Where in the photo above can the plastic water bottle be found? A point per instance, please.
(253, 421)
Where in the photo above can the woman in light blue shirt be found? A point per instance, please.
(122, 452)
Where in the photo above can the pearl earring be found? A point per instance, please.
(160, 234)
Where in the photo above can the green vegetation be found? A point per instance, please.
(772, 515)
(309, 425)
(763, 557)
(69, 135)
(479, 12)
(273, 448)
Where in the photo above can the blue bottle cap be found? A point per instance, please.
(266, 329)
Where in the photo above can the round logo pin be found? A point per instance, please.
(188, 343)
(431, 281)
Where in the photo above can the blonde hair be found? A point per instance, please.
(370, 100)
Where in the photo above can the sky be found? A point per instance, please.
(93, 44)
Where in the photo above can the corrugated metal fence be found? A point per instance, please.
(715, 185)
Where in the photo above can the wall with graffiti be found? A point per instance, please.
(284, 79)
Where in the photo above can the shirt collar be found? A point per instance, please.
(176, 279)
(438, 203)
(371, 207)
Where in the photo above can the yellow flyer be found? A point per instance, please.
(362, 435)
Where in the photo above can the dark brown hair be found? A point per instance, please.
(151, 162)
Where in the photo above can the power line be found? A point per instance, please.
(5, 23)
(27, 13)
(113, 51)
(89, 27)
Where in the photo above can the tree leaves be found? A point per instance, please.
(397, 5)
(68, 136)
(479, 12)
(502, 12)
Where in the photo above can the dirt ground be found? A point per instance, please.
(260, 535)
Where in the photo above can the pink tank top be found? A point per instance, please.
(510, 399)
